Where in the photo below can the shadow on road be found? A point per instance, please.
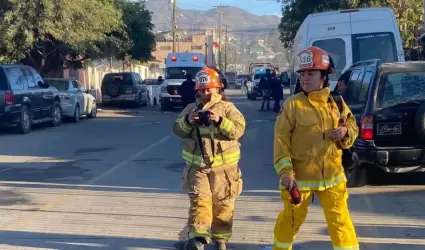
(55, 172)
(10, 198)
(91, 242)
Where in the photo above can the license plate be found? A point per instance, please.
(129, 91)
(390, 128)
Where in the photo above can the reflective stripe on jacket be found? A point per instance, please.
(303, 144)
(226, 134)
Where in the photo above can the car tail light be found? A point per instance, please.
(9, 98)
(195, 58)
(367, 128)
(174, 58)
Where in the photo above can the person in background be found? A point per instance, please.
(212, 177)
(342, 86)
(246, 82)
(309, 135)
(187, 90)
(265, 88)
(160, 80)
(223, 78)
(277, 90)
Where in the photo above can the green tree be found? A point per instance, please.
(408, 14)
(273, 40)
(42, 32)
(294, 13)
(139, 27)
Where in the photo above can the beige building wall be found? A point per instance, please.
(195, 44)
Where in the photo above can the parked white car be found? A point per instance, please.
(154, 90)
(75, 100)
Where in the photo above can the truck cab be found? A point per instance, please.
(177, 66)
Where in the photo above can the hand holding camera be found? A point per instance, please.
(203, 117)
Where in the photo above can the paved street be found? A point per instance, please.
(114, 183)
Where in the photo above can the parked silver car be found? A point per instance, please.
(75, 100)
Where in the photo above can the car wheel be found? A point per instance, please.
(56, 114)
(147, 100)
(357, 177)
(155, 102)
(164, 105)
(114, 90)
(24, 125)
(138, 101)
(77, 114)
(93, 112)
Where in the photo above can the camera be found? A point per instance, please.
(204, 118)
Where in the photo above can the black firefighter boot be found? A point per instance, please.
(196, 244)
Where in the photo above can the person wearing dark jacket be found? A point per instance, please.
(277, 91)
(265, 87)
(160, 80)
(187, 91)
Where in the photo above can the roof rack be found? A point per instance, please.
(374, 62)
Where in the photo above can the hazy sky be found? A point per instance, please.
(258, 7)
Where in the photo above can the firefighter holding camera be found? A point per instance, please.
(210, 128)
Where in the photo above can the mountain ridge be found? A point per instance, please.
(237, 19)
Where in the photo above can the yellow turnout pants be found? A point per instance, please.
(212, 192)
(334, 203)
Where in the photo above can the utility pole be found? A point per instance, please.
(220, 13)
(225, 50)
(174, 25)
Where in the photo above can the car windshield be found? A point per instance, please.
(259, 75)
(242, 76)
(120, 79)
(400, 87)
(61, 85)
(181, 72)
(379, 45)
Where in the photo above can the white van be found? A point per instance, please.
(177, 66)
(350, 36)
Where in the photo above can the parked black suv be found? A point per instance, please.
(124, 87)
(388, 101)
(25, 99)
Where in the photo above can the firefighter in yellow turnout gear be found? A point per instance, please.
(307, 151)
(211, 151)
